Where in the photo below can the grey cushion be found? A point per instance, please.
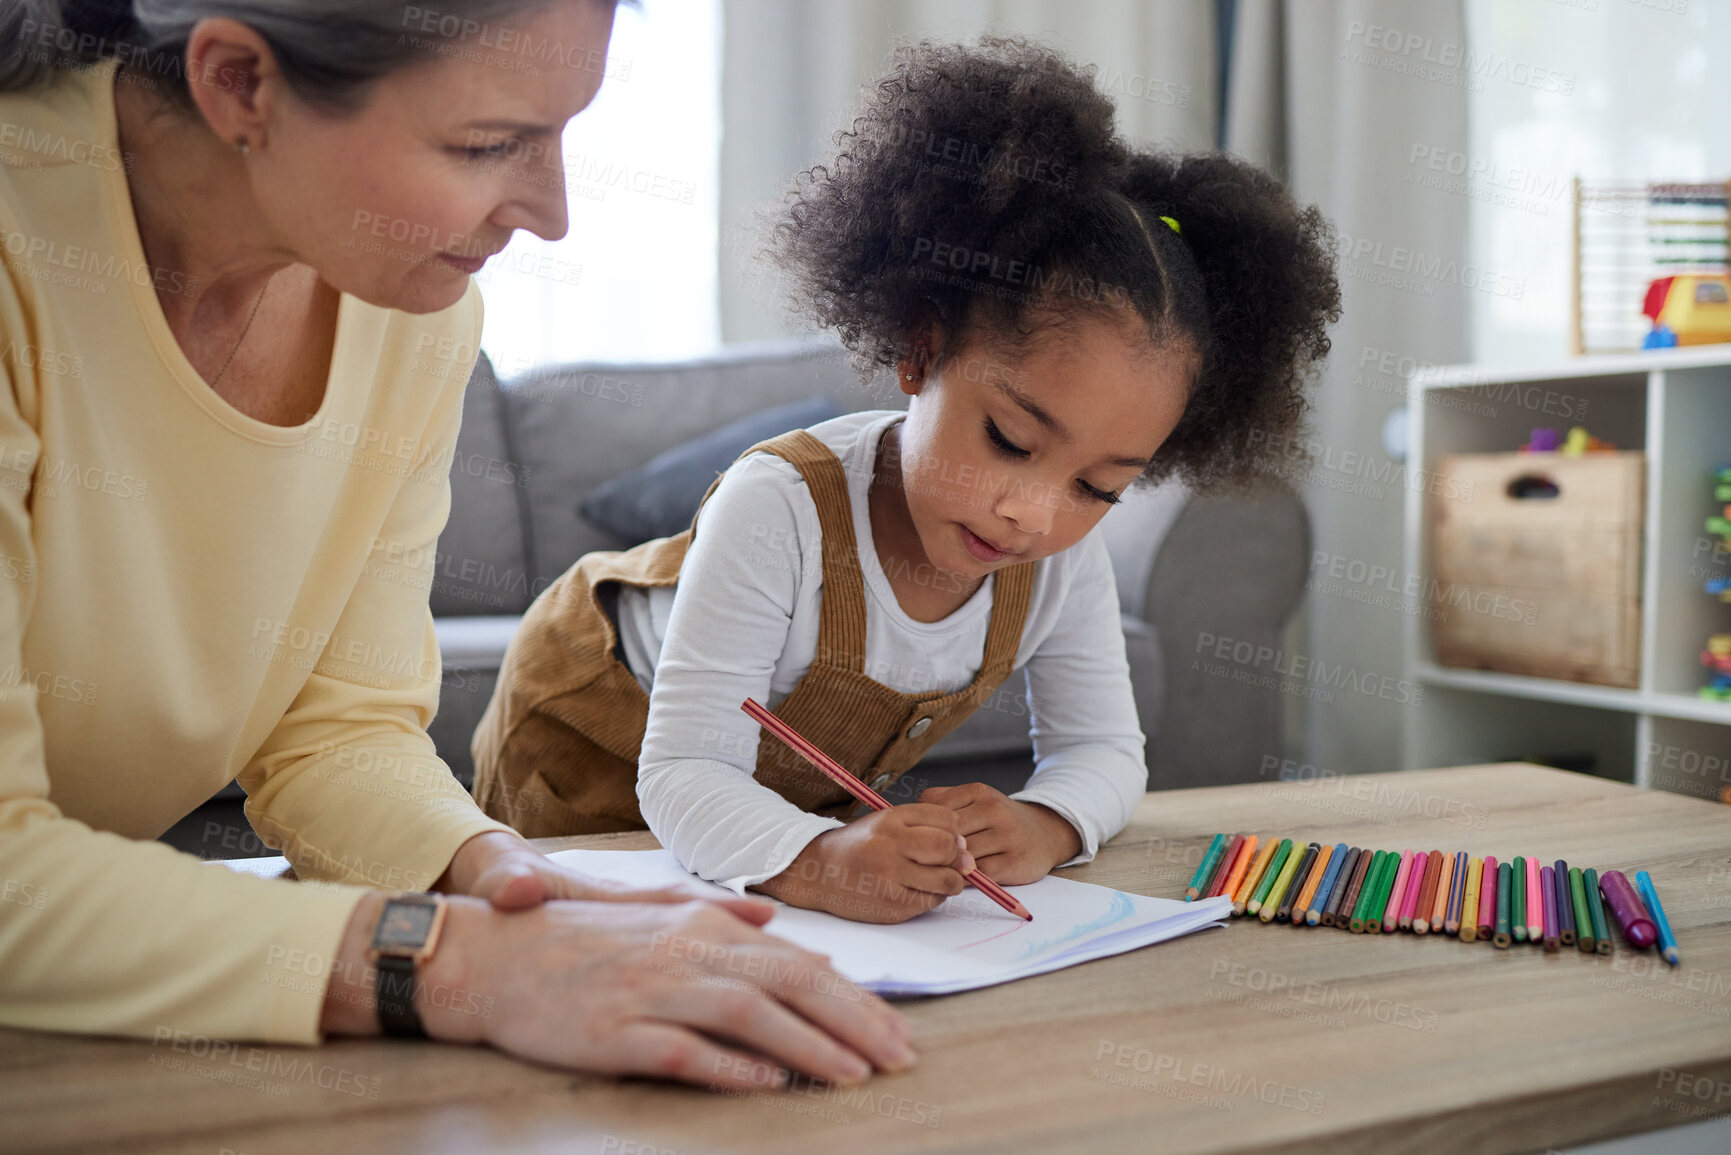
(581, 425)
(660, 497)
(1231, 567)
(481, 566)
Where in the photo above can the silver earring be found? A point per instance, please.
(242, 146)
(909, 376)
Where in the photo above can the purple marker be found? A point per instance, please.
(1626, 906)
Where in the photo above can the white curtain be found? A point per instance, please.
(1342, 96)
(794, 69)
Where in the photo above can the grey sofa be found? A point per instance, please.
(1188, 567)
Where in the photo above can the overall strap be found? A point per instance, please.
(841, 632)
(1012, 594)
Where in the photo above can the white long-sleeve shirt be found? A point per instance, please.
(744, 622)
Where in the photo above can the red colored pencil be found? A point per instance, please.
(1227, 862)
(839, 774)
(1427, 895)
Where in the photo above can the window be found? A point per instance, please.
(1611, 91)
(635, 278)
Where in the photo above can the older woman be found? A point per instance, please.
(238, 237)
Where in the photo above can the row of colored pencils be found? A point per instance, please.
(1428, 892)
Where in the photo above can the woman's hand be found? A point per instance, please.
(683, 991)
(885, 867)
(512, 875)
(1014, 842)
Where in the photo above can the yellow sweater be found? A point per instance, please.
(188, 595)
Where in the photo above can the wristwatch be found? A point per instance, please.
(406, 935)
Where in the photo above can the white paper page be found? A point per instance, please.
(967, 942)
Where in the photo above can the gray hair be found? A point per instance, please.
(330, 51)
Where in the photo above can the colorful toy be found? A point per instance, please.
(1578, 441)
(1717, 656)
(1688, 309)
(1543, 441)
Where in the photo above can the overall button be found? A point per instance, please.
(919, 727)
(881, 780)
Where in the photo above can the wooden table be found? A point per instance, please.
(1250, 1038)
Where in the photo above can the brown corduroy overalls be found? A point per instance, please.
(556, 751)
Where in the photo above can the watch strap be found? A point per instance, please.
(394, 990)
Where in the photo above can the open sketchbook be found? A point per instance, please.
(966, 943)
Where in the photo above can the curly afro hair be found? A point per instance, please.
(983, 191)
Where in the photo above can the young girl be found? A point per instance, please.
(1067, 318)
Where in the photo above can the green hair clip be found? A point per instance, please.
(1174, 225)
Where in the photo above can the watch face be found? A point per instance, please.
(404, 925)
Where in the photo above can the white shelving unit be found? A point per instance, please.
(1676, 405)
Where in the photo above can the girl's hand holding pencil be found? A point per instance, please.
(963, 862)
(885, 867)
(1014, 842)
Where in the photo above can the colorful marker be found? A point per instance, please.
(1632, 917)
